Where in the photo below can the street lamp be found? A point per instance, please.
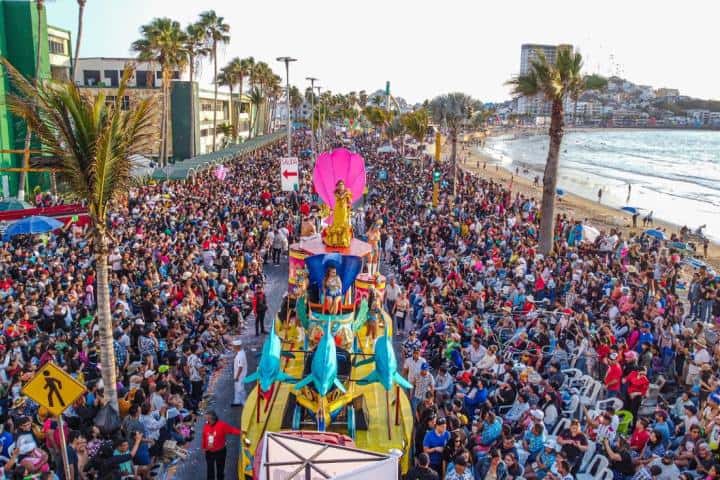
(287, 61)
(312, 81)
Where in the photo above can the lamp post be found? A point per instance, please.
(287, 61)
(312, 81)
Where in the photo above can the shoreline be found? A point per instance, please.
(600, 216)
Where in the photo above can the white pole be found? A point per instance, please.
(63, 447)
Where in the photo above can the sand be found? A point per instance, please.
(595, 214)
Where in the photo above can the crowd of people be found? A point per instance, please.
(597, 360)
(186, 273)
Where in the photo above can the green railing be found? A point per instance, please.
(182, 169)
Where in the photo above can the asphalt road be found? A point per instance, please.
(221, 392)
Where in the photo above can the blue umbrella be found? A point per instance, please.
(32, 225)
(655, 234)
(13, 204)
(560, 191)
(632, 210)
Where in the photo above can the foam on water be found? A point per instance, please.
(676, 173)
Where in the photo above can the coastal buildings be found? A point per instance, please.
(529, 52)
(621, 104)
(190, 107)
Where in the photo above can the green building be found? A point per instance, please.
(22, 33)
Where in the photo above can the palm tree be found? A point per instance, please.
(229, 77)
(378, 117)
(256, 100)
(296, 101)
(217, 32)
(163, 42)
(28, 131)
(556, 82)
(197, 50)
(73, 64)
(94, 142)
(453, 110)
(362, 98)
(416, 124)
(274, 90)
(196, 47)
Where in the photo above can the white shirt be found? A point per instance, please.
(392, 292)
(116, 261)
(239, 363)
(700, 358)
(476, 354)
(413, 368)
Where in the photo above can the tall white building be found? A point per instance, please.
(530, 52)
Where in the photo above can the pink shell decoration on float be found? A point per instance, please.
(335, 165)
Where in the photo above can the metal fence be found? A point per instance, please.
(186, 168)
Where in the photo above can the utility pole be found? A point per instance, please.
(287, 61)
(312, 81)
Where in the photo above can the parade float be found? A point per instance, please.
(328, 363)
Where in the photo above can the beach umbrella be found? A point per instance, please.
(590, 234)
(32, 225)
(632, 210)
(655, 234)
(13, 204)
(560, 191)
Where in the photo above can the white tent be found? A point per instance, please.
(288, 457)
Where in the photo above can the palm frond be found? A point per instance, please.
(93, 140)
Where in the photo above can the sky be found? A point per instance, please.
(425, 48)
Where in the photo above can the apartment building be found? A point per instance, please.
(190, 108)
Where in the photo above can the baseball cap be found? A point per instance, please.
(425, 366)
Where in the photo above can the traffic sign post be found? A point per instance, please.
(55, 390)
(289, 174)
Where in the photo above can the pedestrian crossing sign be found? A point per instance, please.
(53, 389)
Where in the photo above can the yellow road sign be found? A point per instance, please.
(53, 388)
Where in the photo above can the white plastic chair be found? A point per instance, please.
(562, 424)
(570, 375)
(588, 456)
(572, 408)
(606, 474)
(595, 469)
(615, 403)
(589, 395)
(582, 382)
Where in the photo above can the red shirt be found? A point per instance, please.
(613, 377)
(637, 383)
(638, 440)
(213, 437)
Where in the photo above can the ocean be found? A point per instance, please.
(674, 173)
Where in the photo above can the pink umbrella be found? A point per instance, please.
(339, 164)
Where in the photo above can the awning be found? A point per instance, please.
(288, 457)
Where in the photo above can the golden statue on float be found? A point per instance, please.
(339, 233)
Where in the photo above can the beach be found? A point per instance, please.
(602, 217)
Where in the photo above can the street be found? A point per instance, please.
(221, 388)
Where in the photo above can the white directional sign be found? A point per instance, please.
(289, 174)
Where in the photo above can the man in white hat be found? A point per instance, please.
(239, 372)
